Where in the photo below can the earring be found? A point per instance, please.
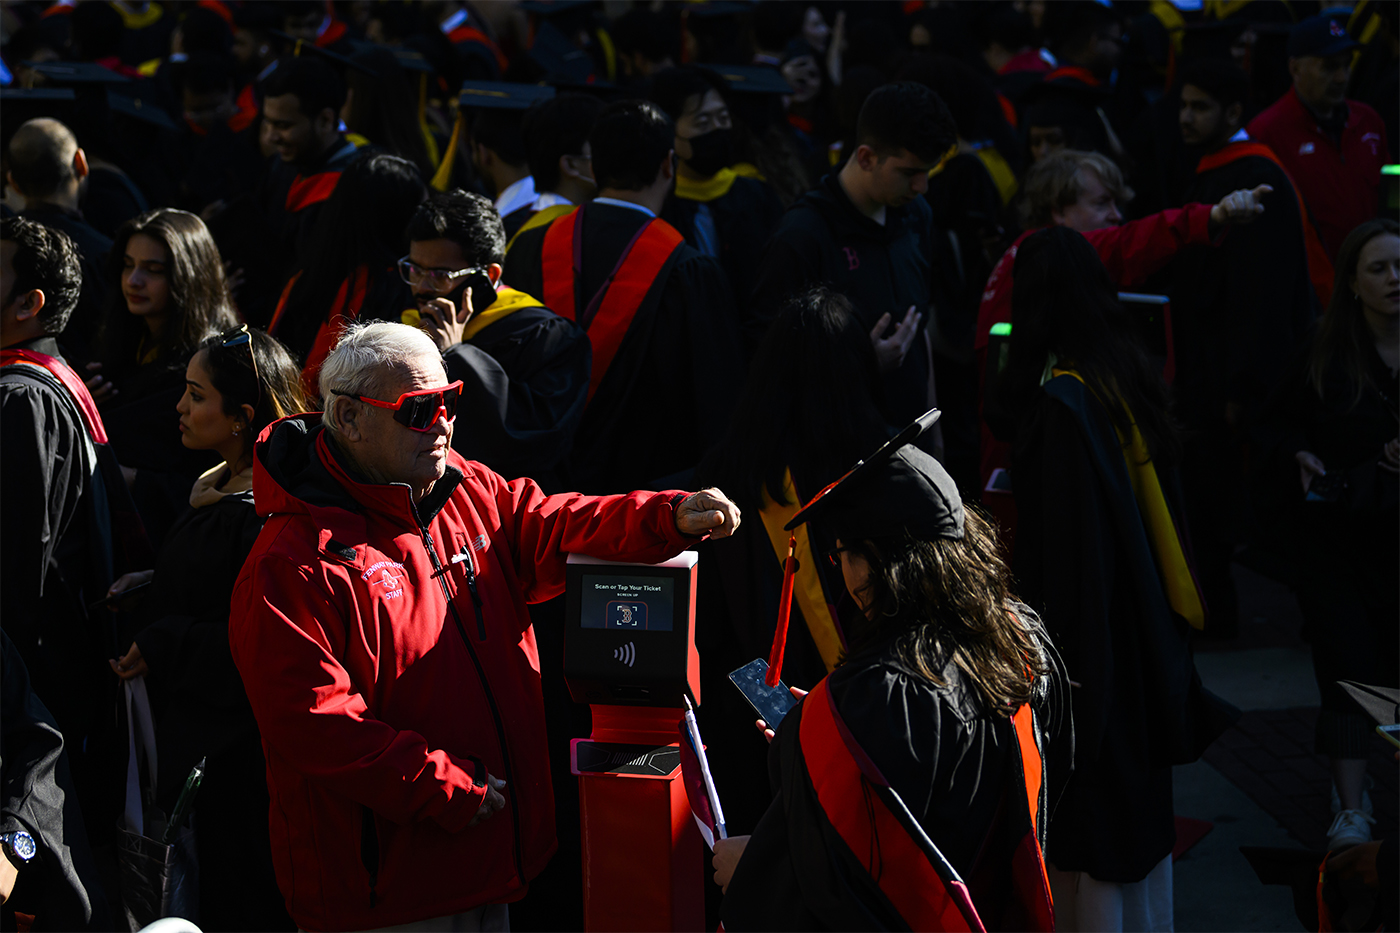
(235, 431)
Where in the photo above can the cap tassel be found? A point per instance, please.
(775, 657)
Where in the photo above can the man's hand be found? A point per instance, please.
(492, 803)
(1239, 207)
(9, 874)
(726, 858)
(890, 351)
(131, 665)
(441, 320)
(708, 511)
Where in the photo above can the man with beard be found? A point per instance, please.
(524, 369)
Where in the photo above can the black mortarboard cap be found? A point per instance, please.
(1380, 703)
(295, 46)
(76, 74)
(408, 59)
(897, 489)
(753, 79)
(139, 108)
(553, 7)
(502, 95)
(563, 62)
(101, 91)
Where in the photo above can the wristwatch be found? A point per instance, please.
(18, 847)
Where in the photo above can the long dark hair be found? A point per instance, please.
(362, 224)
(809, 403)
(199, 297)
(259, 372)
(1064, 304)
(1343, 339)
(384, 108)
(949, 599)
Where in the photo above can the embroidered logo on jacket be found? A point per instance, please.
(382, 574)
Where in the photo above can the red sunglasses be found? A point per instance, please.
(420, 410)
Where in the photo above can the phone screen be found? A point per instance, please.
(771, 703)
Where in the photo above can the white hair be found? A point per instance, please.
(365, 358)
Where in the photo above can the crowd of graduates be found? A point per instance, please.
(733, 244)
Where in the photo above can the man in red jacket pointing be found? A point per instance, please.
(381, 631)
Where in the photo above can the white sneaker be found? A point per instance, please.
(1366, 806)
(1350, 828)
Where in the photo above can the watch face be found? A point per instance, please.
(22, 844)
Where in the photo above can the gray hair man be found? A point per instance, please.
(381, 631)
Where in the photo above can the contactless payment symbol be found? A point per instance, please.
(626, 614)
(627, 654)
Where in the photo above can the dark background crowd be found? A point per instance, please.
(1197, 199)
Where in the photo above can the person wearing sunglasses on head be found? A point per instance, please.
(524, 369)
(236, 384)
(381, 630)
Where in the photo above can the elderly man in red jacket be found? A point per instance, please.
(1332, 147)
(381, 631)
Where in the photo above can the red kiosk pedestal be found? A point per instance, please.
(643, 858)
(629, 653)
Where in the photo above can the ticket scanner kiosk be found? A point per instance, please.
(629, 653)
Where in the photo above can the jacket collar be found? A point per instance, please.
(393, 501)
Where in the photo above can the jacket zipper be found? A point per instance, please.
(441, 573)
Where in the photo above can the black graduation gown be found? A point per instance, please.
(524, 385)
(1083, 561)
(881, 269)
(56, 561)
(144, 430)
(950, 762)
(202, 710)
(516, 219)
(745, 217)
(672, 384)
(60, 887)
(93, 248)
(1240, 309)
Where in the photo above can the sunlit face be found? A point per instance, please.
(895, 179)
(146, 277)
(1377, 282)
(203, 423)
(391, 453)
(1095, 209)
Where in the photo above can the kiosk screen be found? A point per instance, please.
(630, 604)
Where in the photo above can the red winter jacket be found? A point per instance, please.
(1340, 185)
(1131, 252)
(381, 710)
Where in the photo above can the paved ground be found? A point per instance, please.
(1260, 784)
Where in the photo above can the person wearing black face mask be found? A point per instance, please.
(722, 206)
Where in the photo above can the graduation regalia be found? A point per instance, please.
(524, 372)
(660, 319)
(743, 209)
(1089, 557)
(902, 802)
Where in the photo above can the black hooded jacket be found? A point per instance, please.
(882, 269)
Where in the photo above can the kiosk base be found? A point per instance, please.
(643, 859)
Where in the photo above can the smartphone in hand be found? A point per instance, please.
(771, 703)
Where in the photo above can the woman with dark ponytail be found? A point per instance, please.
(237, 383)
(1102, 555)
